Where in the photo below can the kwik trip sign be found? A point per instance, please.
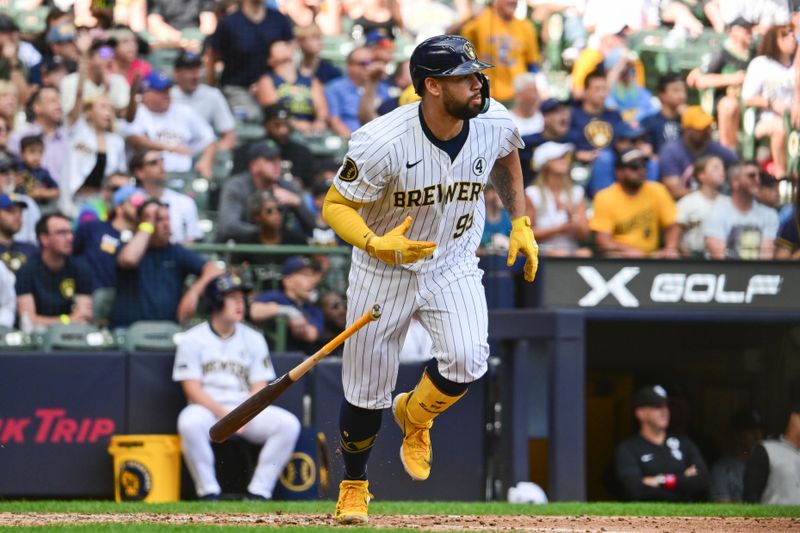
(670, 285)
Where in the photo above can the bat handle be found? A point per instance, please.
(300, 370)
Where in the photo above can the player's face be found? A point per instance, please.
(461, 96)
(656, 417)
(233, 306)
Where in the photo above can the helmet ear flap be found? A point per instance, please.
(484, 91)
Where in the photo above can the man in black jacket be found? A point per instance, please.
(653, 465)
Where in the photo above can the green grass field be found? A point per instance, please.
(376, 508)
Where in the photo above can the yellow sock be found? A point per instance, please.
(426, 402)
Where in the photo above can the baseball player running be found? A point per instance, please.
(219, 363)
(409, 198)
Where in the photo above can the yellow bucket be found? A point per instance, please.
(146, 467)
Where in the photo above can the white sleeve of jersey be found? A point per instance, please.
(367, 168)
(261, 368)
(187, 358)
(509, 138)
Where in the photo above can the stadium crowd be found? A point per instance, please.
(130, 130)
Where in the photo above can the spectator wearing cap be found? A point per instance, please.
(763, 14)
(94, 151)
(54, 17)
(555, 205)
(13, 252)
(147, 167)
(166, 19)
(726, 483)
(556, 117)
(53, 286)
(772, 474)
(769, 193)
(625, 95)
(665, 125)
(769, 87)
(381, 42)
(101, 207)
(98, 79)
(737, 226)
(206, 102)
(30, 214)
(654, 465)
(264, 174)
(508, 43)
(344, 94)
(172, 128)
(723, 75)
(241, 42)
(630, 215)
(608, 42)
(97, 242)
(677, 158)
(47, 114)
(16, 57)
(152, 272)
(593, 126)
(299, 279)
(309, 39)
(303, 96)
(278, 128)
(60, 39)
(126, 56)
(602, 171)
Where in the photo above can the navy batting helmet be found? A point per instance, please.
(446, 55)
(218, 287)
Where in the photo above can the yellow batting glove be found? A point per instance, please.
(522, 240)
(395, 249)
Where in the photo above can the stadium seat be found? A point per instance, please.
(12, 339)
(248, 131)
(31, 21)
(77, 337)
(152, 336)
(102, 302)
(748, 138)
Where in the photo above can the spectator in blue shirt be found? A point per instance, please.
(676, 158)
(97, 242)
(593, 127)
(306, 321)
(152, 271)
(344, 94)
(241, 41)
(602, 174)
(13, 253)
(665, 125)
(557, 115)
(53, 286)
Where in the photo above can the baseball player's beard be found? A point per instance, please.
(463, 111)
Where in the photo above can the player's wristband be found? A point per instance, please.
(147, 227)
(65, 319)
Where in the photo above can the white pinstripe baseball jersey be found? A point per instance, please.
(395, 170)
(392, 166)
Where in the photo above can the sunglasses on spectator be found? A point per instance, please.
(269, 210)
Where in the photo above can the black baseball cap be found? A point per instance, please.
(740, 21)
(274, 111)
(7, 24)
(746, 419)
(650, 396)
(551, 104)
(188, 59)
(266, 149)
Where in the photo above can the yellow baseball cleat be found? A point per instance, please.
(354, 497)
(416, 452)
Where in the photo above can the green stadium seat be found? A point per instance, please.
(31, 21)
(12, 339)
(77, 337)
(152, 336)
(792, 149)
(102, 303)
(248, 131)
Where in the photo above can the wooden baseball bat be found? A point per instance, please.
(248, 409)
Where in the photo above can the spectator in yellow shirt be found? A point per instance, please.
(630, 215)
(510, 44)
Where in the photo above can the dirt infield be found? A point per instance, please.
(567, 524)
